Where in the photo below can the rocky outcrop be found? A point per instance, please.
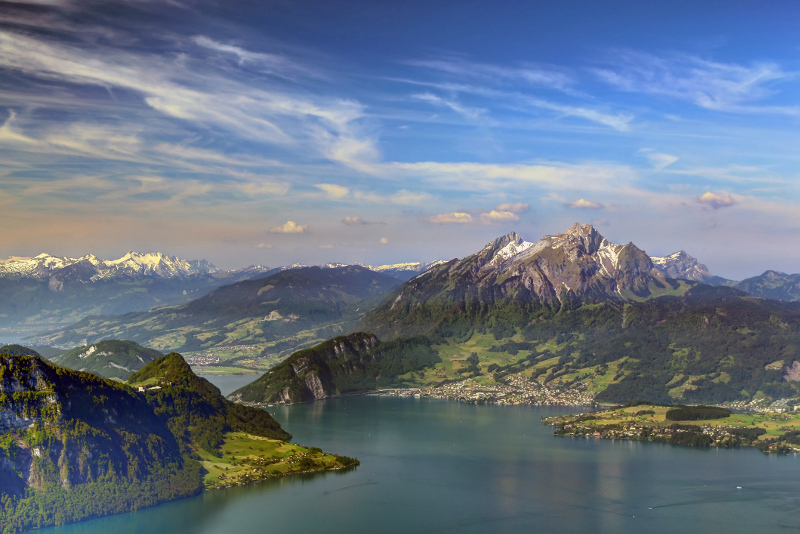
(343, 365)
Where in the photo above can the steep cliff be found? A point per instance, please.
(342, 365)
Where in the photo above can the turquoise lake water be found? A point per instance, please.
(442, 466)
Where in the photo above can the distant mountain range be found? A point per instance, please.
(47, 292)
(89, 268)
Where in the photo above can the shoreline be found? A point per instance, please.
(768, 432)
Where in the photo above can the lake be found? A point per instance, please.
(442, 466)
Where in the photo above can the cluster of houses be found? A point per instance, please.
(764, 405)
(518, 389)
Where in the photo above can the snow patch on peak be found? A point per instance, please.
(608, 254)
(675, 256)
(512, 249)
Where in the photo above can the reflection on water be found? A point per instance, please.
(439, 466)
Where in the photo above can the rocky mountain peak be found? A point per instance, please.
(501, 249)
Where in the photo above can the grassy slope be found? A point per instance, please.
(246, 458)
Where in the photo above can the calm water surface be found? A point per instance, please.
(227, 384)
(441, 466)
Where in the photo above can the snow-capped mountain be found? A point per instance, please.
(682, 266)
(89, 268)
(579, 265)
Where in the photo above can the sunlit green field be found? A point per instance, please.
(245, 458)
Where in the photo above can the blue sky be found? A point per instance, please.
(380, 132)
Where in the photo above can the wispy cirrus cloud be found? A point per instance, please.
(522, 102)
(274, 64)
(711, 85)
(186, 89)
(617, 121)
(659, 160)
(498, 74)
(465, 111)
(468, 176)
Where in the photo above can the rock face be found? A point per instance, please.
(27, 396)
(308, 375)
(347, 364)
(579, 265)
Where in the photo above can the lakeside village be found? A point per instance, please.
(522, 390)
(517, 390)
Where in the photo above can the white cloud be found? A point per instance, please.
(513, 207)
(290, 227)
(334, 192)
(446, 218)
(583, 204)
(716, 201)
(498, 216)
(263, 245)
